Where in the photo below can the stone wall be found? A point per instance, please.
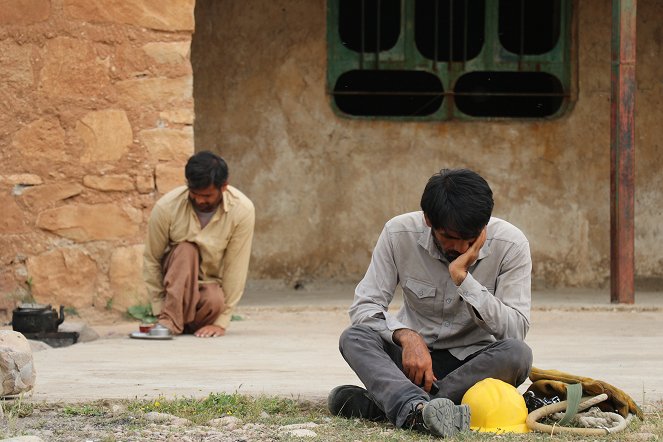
(96, 112)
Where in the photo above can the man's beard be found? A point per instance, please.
(207, 208)
(451, 255)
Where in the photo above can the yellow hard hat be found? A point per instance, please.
(496, 407)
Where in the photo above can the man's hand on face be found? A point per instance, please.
(210, 331)
(417, 363)
(459, 266)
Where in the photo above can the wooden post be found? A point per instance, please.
(622, 149)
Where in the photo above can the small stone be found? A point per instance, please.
(36, 346)
(302, 432)
(23, 439)
(227, 422)
(157, 417)
(298, 426)
(264, 414)
(85, 333)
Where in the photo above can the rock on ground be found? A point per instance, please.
(17, 373)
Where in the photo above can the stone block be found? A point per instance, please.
(168, 144)
(17, 372)
(176, 52)
(109, 183)
(66, 276)
(21, 179)
(13, 220)
(39, 197)
(155, 91)
(24, 12)
(165, 15)
(169, 176)
(145, 183)
(83, 222)
(41, 138)
(106, 135)
(126, 277)
(72, 69)
(178, 116)
(15, 61)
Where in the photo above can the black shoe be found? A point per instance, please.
(350, 401)
(439, 417)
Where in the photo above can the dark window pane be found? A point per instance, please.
(369, 25)
(449, 30)
(509, 94)
(388, 93)
(529, 27)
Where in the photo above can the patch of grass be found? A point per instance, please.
(218, 405)
(83, 410)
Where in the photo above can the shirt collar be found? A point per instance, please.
(426, 241)
(225, 204)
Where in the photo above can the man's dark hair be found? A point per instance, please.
(205, 168)
(458, 200)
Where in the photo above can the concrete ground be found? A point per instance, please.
(287, 344)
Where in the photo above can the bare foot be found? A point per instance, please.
(210, 331)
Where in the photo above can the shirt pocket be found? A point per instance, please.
(421, 290)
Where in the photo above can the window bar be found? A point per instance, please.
(451, 32)
(556, 17)
(436, 32)
(377, 37)
(451, 101)
(522, 35)
(363, 34)
(466, 7)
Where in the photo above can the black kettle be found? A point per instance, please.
(36, 318)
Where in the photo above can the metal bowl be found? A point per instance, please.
(159, 330)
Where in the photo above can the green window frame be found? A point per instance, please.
(432, 60)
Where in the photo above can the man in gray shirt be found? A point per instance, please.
(466, 281)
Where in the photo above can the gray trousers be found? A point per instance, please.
(378, 365)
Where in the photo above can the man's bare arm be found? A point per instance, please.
(417, 363)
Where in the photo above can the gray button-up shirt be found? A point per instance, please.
(492, 303)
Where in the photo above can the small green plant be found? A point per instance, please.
(23, 293)
(15, 408)
(236, 318)
(109, 304)
(142, 312)
(29, 297)
(71, 311)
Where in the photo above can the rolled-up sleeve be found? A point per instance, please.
(506, 314)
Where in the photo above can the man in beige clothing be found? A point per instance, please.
(197, 250)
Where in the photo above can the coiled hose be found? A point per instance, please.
(534, 416)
